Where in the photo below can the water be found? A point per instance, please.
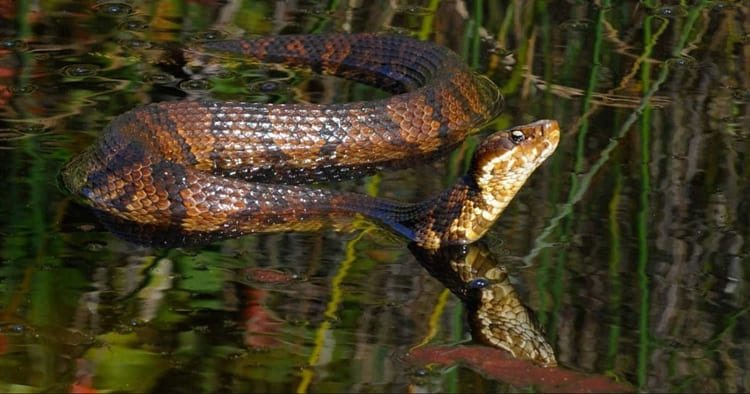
(628, 244)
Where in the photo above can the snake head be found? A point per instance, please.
(515, 153)
(499, 168)
(506, 159)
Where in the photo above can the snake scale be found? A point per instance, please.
(212, 169)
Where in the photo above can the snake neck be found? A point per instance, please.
(458, 215)
(499, 168)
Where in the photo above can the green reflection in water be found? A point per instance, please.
(193, 335)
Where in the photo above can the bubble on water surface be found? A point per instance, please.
(114, 9)
(87, 227)
(415, 10)
(30, 128)
(13, 45)
(400, 31)
(135, 44)
(159, 78)
(95, 246)
(136, 322)
(195, 85)
(681, 62)
(80, 70)
(421, 372)
(134, 24)
(669, 12)
(316, 12)
(25, 89)
(720, 6)
(576, 25)
(209, 35)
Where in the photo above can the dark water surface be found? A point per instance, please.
(628, 244)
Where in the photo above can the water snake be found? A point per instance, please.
(210, 169)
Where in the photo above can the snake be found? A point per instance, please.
(193, 171)
(206, 169)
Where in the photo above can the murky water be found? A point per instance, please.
(628, 244)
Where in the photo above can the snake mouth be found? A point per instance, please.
(551, 129)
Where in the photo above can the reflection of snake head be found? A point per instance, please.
(500, 319)
(496, 313)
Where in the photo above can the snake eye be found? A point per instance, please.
(517, 136)
(478, 283)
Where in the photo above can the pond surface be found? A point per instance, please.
(628, 244)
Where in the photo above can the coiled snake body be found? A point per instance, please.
(209, 169)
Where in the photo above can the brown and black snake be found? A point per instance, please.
(194, 171)
(211, 169)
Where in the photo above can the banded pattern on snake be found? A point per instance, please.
(208, 169)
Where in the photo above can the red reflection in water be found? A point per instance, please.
(261, 326)
(499, 365)
(84, 378)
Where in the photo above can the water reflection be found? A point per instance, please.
(496, 314)
(632, 238)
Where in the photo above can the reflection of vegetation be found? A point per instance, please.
(656, 297)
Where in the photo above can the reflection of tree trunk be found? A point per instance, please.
(87, 317)
(698, 200)
(227, 13)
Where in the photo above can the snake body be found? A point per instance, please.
(209, 169)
